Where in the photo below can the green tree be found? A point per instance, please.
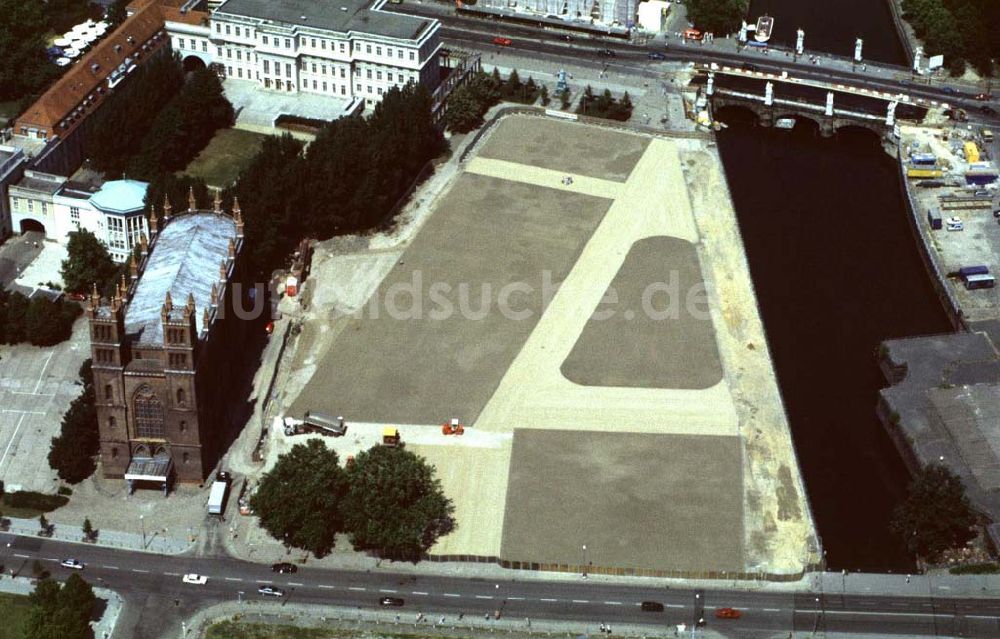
(72, 452)
(115, 14)
(395, 505)
(61, 612)
(936, 515)
(88, 263)
(463, 112)
(298, 501)
(720, 17)
(545, 95)
(43, 523)
(88, 529)
(26, 68)
(47, 323)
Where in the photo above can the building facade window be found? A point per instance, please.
(148, 413)
(114, 453)
(264, 39)
(228, 30)
(112, 423)
(288, 43)
(183, 426)
(181, 397)
(109, 392)
(74, 216)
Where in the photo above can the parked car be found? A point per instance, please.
(606, 53)
(195, 578)
(72, 564)
(503, 42)
(949, 90)
(390, 601)
(284, 567)
(984, 96)
(651, 606)
(954, 224)
(987, 110)
(271, 591)
(656, 55)
(727, 613)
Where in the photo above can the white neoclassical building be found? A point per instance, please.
(52, 204)
(349, 49)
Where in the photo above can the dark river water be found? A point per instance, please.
(836, 271)
(833, 25)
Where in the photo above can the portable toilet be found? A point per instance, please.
(971, 152)
(934, 219)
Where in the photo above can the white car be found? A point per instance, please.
(194, 578)
(271, 591)
(954, 224)
(72, 564)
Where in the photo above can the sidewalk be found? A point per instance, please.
(103, 627)
(388, 623)
(154, 541)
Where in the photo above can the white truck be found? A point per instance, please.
(217, 497)
(314, 422)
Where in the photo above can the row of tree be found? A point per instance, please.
(158, 121)
(350, 179)
(72, 452)
(962, 30)
(468, 103)
(605, 106)
(387, 499)
(39, 321)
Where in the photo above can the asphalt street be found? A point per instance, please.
(632, 59)
(139, 576)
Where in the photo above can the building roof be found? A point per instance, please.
(331, 15)
(120, 196)
(184, 260)
(180, 11)
(83, 78)
(40, 182)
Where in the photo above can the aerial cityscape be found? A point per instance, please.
(420, 319)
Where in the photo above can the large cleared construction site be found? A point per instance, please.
(578, 298)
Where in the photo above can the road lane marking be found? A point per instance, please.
(21, 556)
(110, 567)
(580, 601)
(325, 587)
(355, 588)
(233, 579)
(672, 605)
(451, 594)
(13, 437)
(51, 559)
(294, 583)
(884, 614)
(417, 592)
(483, 597)
(139, 570)
(771, 609)
(172, 574)
(42, 372)
(385, 590)
(516, 598)
(612, 603)
(548, 600)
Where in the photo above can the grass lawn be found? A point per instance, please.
(14, 611)
(225, 156)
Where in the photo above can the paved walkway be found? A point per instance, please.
(154, 541)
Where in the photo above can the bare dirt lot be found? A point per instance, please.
(570, 148)
(653, 329)
(416, 357)
(654, 501)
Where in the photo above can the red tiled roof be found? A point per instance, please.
(83, 78)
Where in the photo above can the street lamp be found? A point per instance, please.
(142, 524)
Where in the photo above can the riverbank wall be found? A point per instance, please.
(907, 37)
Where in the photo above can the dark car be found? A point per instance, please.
(223, 476)
(567, 38)
(751, 67)
(949, 90)
(390, 601)
(656, 55)
(651, 606)
(987, 110)
(284, 567)
(606, 53)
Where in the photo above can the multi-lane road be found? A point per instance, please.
(632, 58)
(142, 575)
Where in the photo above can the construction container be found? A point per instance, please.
(971, 152)
(924, 174)
(987, 135)
(934, 219)
(923, 159)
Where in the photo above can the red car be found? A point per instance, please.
(503, 42)
(727, 613)
(984, 96)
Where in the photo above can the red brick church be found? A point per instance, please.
(161, 347)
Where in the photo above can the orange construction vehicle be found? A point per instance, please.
(390, 436)
(453, 428)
